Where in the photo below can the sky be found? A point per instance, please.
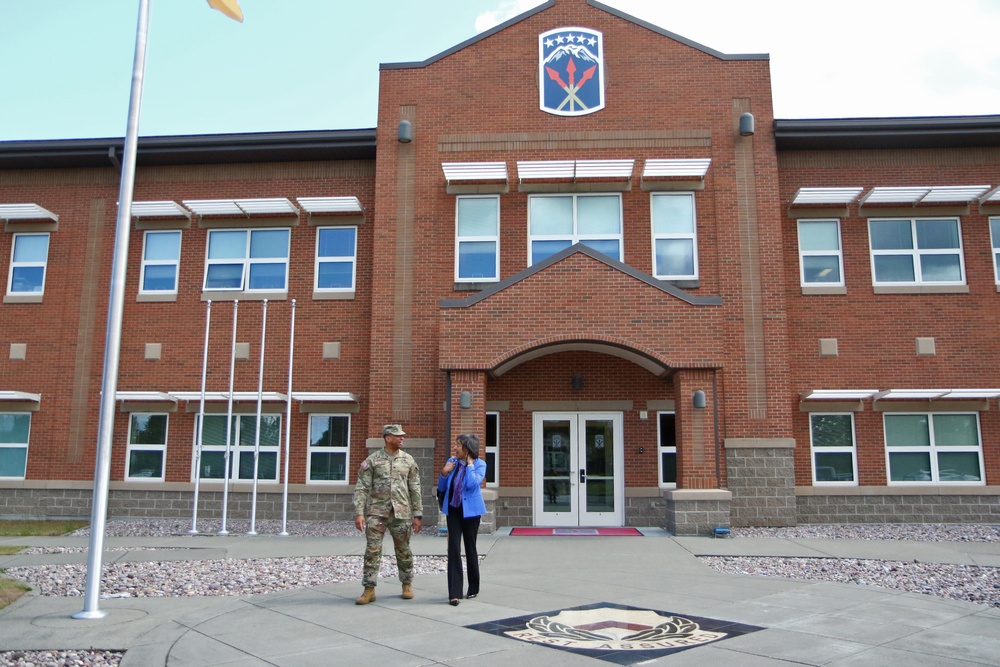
(65, 65)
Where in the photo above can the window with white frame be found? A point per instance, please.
(942, 448)
(666, 435)
(336, 258)
(821, 258)
(492, 445)
(147, 446)
(555, 222)
(995, 242)
(251, 260)
(243, 430)
(29, 257)
(831, 437)
(916, 251)
(477, 239)
(161, 256)
(675, 238)
(15, 427)
(329, 448)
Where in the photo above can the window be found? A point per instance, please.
(14, 430)
(492, 448)
(821, 259)
(995, 236)
(916, 252)
(147, 446)
(477, 237)
(555, 222)
(675, 241)
(832, 440)
(247, 260)
(29, 257)
(161, 254)
(666, 424)
(336, 258)
(329, 447)
(242, 436)
(939, 448)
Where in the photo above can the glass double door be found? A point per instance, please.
(578, 465)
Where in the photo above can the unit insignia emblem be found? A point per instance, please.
(571, 71)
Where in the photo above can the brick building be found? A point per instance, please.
(577, 234)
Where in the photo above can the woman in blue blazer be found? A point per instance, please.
(461, 480)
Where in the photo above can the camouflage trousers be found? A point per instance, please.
(375, 529)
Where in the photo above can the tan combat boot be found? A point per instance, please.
(407, 591)
(367, 596)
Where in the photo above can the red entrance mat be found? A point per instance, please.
(617, 532)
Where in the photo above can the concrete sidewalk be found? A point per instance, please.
(781, 622)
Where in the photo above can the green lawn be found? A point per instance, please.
(11, 590)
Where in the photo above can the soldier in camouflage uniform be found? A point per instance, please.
(387, 497)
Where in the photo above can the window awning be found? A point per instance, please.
(244, 207)
(681, 168)
(915, 196)
(899, 394)
(992, 197)
(324, 397)
(20, 397)
(936, 394)
(826, 196)
(9, 212)
(574, 169)
(145, 397)
(330, 205)
(238, 396)
(839, 394)
(159, 209)
(474, 171)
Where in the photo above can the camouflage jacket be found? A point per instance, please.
(386, 483)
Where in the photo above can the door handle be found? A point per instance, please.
(583, 476)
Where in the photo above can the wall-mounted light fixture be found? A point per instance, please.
(698, 399)
(746, 124)
(576, 382)
(465, 400)
(405, 134)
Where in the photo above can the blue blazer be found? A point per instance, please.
(472, 495)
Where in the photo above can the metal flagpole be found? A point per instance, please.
(113, 339)
(288, 426)
(199, 434)
(256, 439)
(229, 424)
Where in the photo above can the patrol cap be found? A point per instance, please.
(392, 429)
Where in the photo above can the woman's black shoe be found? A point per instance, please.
(453, 602)
(471, 595)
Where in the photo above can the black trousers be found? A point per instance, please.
(461, 529)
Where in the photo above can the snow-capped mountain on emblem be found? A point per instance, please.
(571, 71)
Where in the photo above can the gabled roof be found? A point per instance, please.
(593, 3)
(594, 254)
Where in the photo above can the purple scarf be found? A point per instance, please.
(456, 486)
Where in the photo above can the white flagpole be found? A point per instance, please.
(199, 434)
(229, 424)
(113, 338)
(288, 426)
(256, 439)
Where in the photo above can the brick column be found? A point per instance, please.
(697, 463)
(471, 419)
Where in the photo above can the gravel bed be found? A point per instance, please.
(255, 576)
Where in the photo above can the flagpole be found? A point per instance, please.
(113, 338)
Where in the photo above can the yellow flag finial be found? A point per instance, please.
(230, 8)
